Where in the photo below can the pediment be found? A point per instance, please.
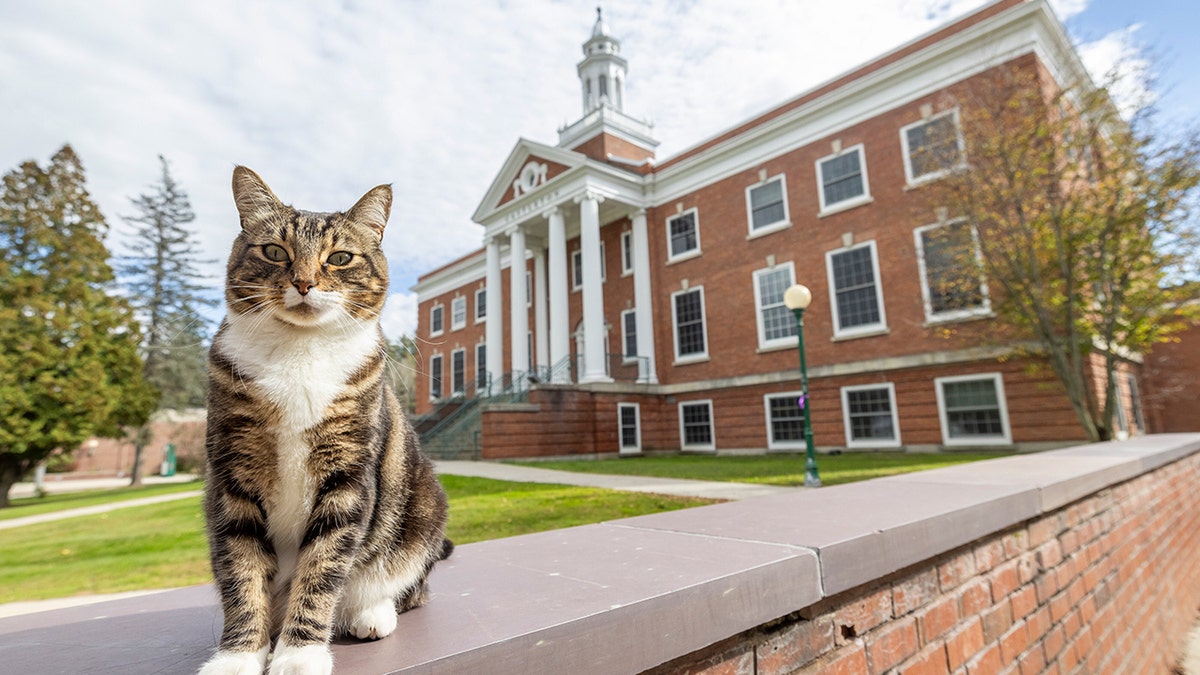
(529, 167)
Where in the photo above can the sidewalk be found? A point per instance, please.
(54, 487)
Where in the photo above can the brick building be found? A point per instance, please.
(647, 309)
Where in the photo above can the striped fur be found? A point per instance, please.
(323, 516)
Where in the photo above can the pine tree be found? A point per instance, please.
(69, 362)
(160, 271)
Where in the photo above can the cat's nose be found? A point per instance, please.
(303, 286)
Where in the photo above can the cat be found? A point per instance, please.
(323, 516)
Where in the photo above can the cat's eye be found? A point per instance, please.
(340, 258)
(275, 253)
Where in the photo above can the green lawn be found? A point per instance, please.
(31, 506)
(769, 469)
(163, 545)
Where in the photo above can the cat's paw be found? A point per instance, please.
(236, 663)
(374, 622)
(306, 660)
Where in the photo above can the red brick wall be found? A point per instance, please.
(1108, 584)
(1171, 386)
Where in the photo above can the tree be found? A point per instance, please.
(160, 272)
(69, 362)
(401, 370)
(1082, 225)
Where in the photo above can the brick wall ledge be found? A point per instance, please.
(630, 595)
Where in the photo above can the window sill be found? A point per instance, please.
(874, 332)
(689, 360)
(882, 445)
(684, 256)
(440, 333)
(935, 321)
(769, 229)
(767, 349)
(847, 205)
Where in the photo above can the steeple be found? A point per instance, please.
(602, 70)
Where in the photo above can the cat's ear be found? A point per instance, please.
(373, 209)
(253, 198)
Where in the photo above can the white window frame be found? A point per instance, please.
(851, 202)
(626, 356)
(866, 329)
(481, 305)
(763, 342)
(699, 356)
(1135, 402)
(637, 429)
(984, 308)
(458, 391)
(457, 323)
(1001, 400)
(934, 175)
(626, 253)
(851, 442)
(481, 368)
(711, 446)
(441, 309)
(672, 257)
(773, 444)
(577, 268)
(769, 227)
(441, 377)
(529, 288)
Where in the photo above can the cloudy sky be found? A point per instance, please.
(326, 100)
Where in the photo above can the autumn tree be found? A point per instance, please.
(69, 361)
(1077, 218)
(402, 370)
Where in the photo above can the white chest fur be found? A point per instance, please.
(301, 372)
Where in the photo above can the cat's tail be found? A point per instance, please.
(447, 549)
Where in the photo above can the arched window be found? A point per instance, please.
(603, 86)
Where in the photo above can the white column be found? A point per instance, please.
(643, 308)
(495, 322)
(560, 317)
(593, 290)
(518, 308)
(541, 338)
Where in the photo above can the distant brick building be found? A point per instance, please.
(184, 429)
(647, 313)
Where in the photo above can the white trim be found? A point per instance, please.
(871, 443)
(481, 368)
(528, 288)
(463, 390)
(851, 202)
(637, 429)
(769, 227)
(1135, 402)
(984, 309)
(481, 305)
(763, 342)
(442, 377)
(691, 252)
(1004, 439)
(439, 307)
(712, 426)
(910, 180)
(626, 357)
(577, 262)
(864, 330)
(773, 444)
(698, 356)
(455, 324)
(627, 253)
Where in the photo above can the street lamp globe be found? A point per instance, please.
(797, 297)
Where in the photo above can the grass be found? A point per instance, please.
(767, 469)
(163, 545)
(31, 506)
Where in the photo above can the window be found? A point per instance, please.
(767, 205)
(629, 430)
(695, 426)
(843, 179)
(683, 236)
(481, 373)
(1135, 402)
(629, 335)
(480, 305)
(458, 313)
(458, 372)
(1122, 416)
(626, 253)
(776, 323)
(948, 258)
(931, 147)
(577, 268)
(435, 377)
(973, 410)
(856, 297)
(436, 318)
(691, 341)
(528, 288)
(869, 412)
(785, 421)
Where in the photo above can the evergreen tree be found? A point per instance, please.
(69, 362)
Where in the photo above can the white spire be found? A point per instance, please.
(602, 71)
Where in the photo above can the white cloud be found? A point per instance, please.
(399, 315)
(1118, 61)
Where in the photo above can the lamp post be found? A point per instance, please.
(797, 299)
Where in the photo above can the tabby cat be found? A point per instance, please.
(323, 515)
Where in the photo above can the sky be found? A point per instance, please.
(328, 99)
